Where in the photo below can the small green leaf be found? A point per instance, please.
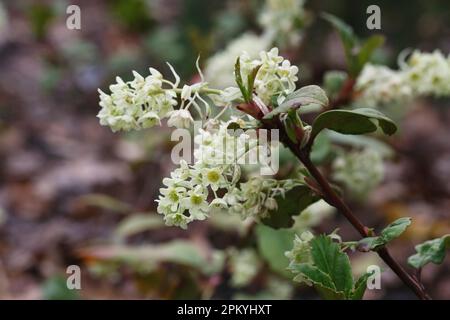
(430, 251)
(137, 223)
(309, 95)
(346, 32)
(321, 148)
(292, 204)
(251, 80)
(356, 56)
(358, 121)
(395, 229)
(289, 128)
(330, 259)
(367, 49)
(238, 79)
(360, 287)
(392, 231)
(272, 244)
(348, 38)
(322, 282)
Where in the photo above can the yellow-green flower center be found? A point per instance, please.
(213, 176)
(173, 196)
(196, 199)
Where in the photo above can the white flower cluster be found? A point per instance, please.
(137, 104)
(187, 193)
(428, 74)
(283, 19)
(144, 102)
(275, 76)
(256, 197)
(380, 86)
(300, 253)
(219, 68)
(359, 171)
(423, 74)
(212, 182)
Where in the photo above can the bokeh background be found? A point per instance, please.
(72, 192)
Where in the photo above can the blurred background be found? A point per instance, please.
(74, 193)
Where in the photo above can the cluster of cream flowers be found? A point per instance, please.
(213, 180)
(428, 74)
(275, 76)
(359, 171)
(144, 101)
(381, 86)
(137, 104)
(219, 67)
(257, 197)
(300, 253)
(423, 74)
(186, 195)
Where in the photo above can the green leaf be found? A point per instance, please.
(356, 56)
(360, 287)
(309, 95)
(358, 121)
(251, 80)
(392, 231)
(395, 229)
(55, 288)
(238, 79)
(148, 257)
(361, 142)
(346, 32)
(322, 282)
(367, 49)
(329, 258)
(292, 204)
(430, 251)
(138, 223)
(105, 202)
(321, 148)
(348, 38)
(272, 244)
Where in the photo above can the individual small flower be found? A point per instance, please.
(172, 196)
(196, 203)
(271, 204)
(149, 119)
(213, 177)
(180, 119)
(218, 203)
(177, 219)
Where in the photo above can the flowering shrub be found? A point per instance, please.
(265, 97)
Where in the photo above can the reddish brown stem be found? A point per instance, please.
(331, 197)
